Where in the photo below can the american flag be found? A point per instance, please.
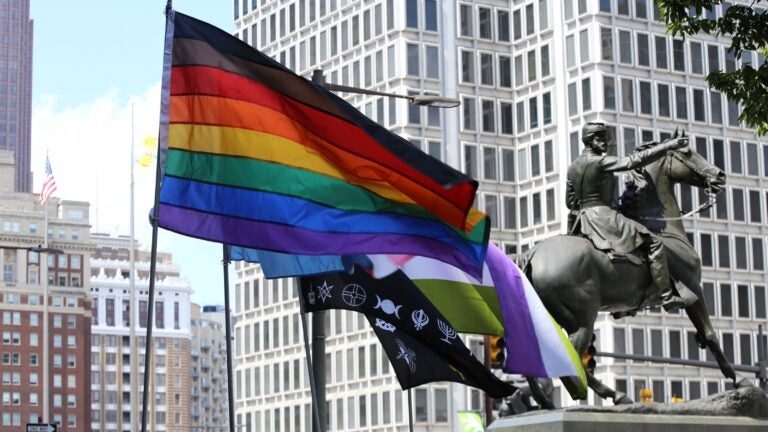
(49, 184)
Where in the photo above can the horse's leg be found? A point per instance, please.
(538, 394)
(581, 339)
(707, 338)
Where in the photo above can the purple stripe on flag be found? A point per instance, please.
(523, 351)
(285, 238)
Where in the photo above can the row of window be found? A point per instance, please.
(503, 117)
(10, 226)
(14, 358)
(111, 313)
(521, 212)
(496, 70)
(732, 156)
(351, 412)
(680, 344)
(494, 164)
(36, 299)
(637, 96)
(480, 22)
(733, 204)
(740, 300)
(646, 51)
(732, 252)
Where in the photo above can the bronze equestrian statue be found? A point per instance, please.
(604, 267)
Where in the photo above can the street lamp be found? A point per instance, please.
(421, 100)
(318, 317)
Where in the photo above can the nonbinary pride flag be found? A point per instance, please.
(256, 156)
(49, 184)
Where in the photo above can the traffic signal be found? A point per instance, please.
(496, 352)
(588, 359)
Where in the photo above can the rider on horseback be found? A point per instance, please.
(590, 192)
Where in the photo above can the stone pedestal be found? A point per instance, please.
(576, 421)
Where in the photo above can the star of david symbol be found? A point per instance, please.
(353, 295)
(324, 291)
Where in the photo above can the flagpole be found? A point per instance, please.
(163, 139)
(312, 383)
(134, 397)
(318, 325)
(46, 344)
(410, 412)
(228, 333)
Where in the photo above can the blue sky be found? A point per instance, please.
(97, 65)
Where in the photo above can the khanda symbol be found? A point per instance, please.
(420, 319)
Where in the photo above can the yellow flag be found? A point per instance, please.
(150, 149)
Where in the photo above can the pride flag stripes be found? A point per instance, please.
(259, 157)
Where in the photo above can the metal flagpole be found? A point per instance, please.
(312, 383)
(46, 344)
(134, 397)
(228, 333)
(163, 139)
(410, 411)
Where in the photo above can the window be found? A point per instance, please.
(570, 52)
(465, 20)
(664, 104)
(420, 410)
(713, 58)
(627, 95)
(529, 20)
(643, 50)
(468, 106)
(508, 165)
(573, 101)
(544, 61)
(502, 25)
(491, 208)
(609, 93)
(533, 111)
(467, 66)
(531, 65)
(697, 58)
(484, 23)
(505, 71)
(678, 55)
(699, 106)
(510, 213)
(517, 25)
(716, 107)
(505, 109)
(625, 47)
(646, 98)
(430, 16)
(470, 160)
(489, 116)
(681, 103)
(432, 62)
(661, 52)
(486, 69)
(606, 44)
(546, 102)
(584, 45)
(413, 59)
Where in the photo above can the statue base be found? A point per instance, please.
(576, 421)
(742, 410)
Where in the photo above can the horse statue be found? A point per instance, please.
(575, 281)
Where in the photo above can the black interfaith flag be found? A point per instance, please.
(421, 344)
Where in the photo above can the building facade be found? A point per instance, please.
(43, 284)
(16, 36)
(529, 74)
(110, 389)
(209, 402)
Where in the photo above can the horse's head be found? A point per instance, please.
(685, 165)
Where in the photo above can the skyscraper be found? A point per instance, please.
(529, 74)
(16, 35)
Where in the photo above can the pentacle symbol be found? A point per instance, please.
(388, 307)
(380, 323)
(324, 291)
(447, 331)
(353, 295)
(420, 319)
(407, 355)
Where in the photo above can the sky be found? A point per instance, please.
(96, 90)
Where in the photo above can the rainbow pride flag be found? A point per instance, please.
(256, 156)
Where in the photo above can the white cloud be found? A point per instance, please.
(89, 146)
